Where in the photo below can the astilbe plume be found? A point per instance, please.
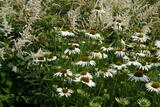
(26, 39)
(6, 27)
(31, 11)
(73, 16)
(2, 53)
(7, 8)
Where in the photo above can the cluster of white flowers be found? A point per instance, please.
(31, 11)
(73, 16)
(26, 39)
(26, 33)
(6, 27)
(2, 52)
(20, 43)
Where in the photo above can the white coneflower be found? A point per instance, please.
(64, 72)
(105, 72)
(140, 36)
(138, 76)
(133, 61)
(67, 33)
(86, 62)
(119, 65)
(106, 49)
(98, 54)
(146, 52)
(139, 54)
(86, 80)
(143, 102)
(64, 92)
(145, 66)
(93, 35)
(122, 101)
(72, 50)
(120, 52)
(153, 87)
(98, 9)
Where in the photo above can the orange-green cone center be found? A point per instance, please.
(83, 73)
(93, 32)
(144, 63)
(77, 41)
(64, 90)
(104, 69)
(138, 74)
(154, 59)
(119, 20)
(132, 59)
(118, 63)
(140, 35)
(156, 85)
(98, 7)
(85, 79)
(71, 47)
(63, 71)
(96, 50)
(119, 49)
(139, 30)
(85, 58)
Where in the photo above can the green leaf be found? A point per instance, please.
(6, 90)
(8, 83)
